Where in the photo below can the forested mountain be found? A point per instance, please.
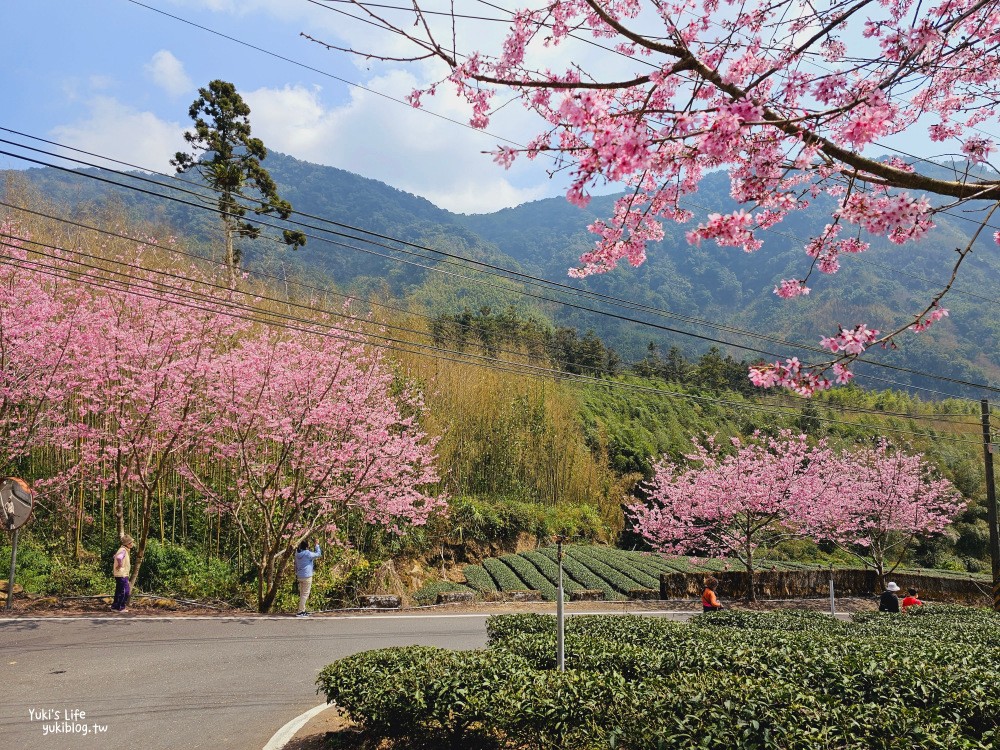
(678, 286)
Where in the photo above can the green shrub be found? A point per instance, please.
(506, 579)
(72, 578)
(530, 576)
(173, 570)
(774, 681)
(583, 575)
(422, 692)
(34, 567)
(478, 579)
(491, 520)
(500, 627)
(784, 621)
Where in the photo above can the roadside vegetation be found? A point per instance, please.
(790, 680)
(518, 460)
(618, 574)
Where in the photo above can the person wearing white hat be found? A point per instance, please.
(889, 602)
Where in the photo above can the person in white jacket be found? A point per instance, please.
(305, 559)
(120, 569)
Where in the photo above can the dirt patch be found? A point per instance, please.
(89, 606)
(144, 605)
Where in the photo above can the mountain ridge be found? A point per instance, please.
(545, 237)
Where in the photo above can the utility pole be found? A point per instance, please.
(560, 616)
(991, 504)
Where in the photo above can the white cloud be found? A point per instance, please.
(120, 132)
(168, 73)
(396, 144)
(308, 16)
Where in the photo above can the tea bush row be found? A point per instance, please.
(506, 579)
(789, 680)
(478, 579)
(528, 573)
(624, 566)
(583, 575)
(550, 569)
(617, 580)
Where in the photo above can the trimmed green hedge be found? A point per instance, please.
(732, 679)
(478, 579)
(530, 576)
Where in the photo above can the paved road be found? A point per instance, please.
(185, 683)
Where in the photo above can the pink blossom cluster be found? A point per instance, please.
(827, 249)
(899, 216)
(789, 288)
(872, 117)
(730, 230)
(978, 149)
(701, 85)
(789, 374)
(926, 321)
(853, 341)
(286, 431)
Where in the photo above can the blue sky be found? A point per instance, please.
(116, 78)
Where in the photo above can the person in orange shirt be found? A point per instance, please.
(709, 601)
(911, 600)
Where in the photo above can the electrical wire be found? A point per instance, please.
(483, 361)
(490, 269)
(509, 13)
(312, 308)
(300, 324)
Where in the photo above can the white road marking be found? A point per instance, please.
(283, 735)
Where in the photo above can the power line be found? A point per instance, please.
(303, 65)
(175, 251)
(382, 324)
(588, 41)
(490, 269)
(305, 325)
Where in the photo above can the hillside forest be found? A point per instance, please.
(408, 428)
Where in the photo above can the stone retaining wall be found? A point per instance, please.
(379, 601)
(770, 584)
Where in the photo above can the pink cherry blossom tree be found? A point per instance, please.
(132, 356)
(302, 430)
(145, 364)
(791, 98)
(36, 346)
(881, 500)
(41, 315)
(731, 504)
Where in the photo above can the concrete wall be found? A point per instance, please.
(796, 584)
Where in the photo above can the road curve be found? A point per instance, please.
(183, 683)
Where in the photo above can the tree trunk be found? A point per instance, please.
(140, 543)
(751, 589)
(230, 253)
(275, 570)
(120, 513)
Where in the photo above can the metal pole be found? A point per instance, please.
(560, 615)
(10, 578)
(991, 504)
